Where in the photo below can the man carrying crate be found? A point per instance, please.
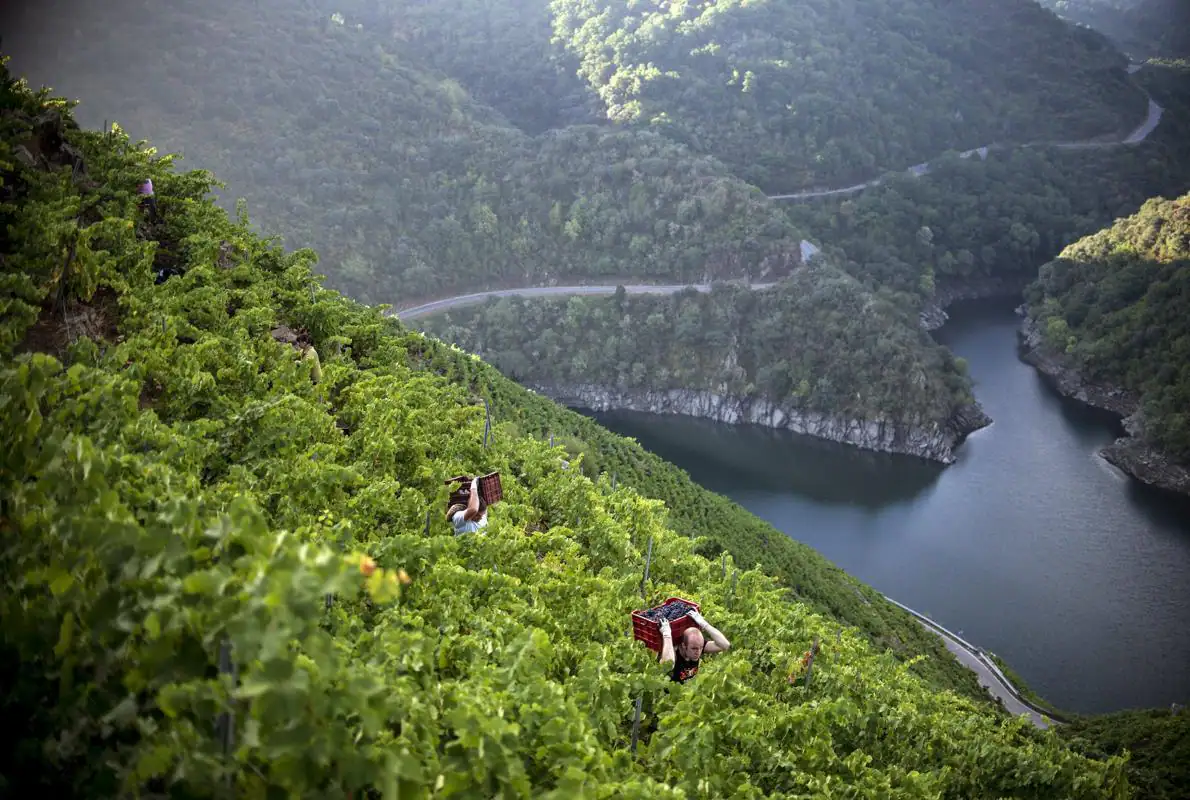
(691, 647)
(467, 509)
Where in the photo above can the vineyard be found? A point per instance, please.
(227, 571)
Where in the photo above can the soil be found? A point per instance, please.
(56, 329)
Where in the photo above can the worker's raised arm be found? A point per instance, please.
(472, 512)
(667, 644)
(718, 642)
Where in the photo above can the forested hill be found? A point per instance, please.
(818, 352)
(404, 139)
(1114, 307)
(1142, 28)
(822, 91)
(219, 580)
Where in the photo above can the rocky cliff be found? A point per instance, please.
(1130, 453)
(927, 439)
(934, 316)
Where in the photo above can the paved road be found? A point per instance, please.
(989, 675)
(438, 306)
(1139, 135)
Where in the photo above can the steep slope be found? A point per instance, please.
(219, 583)
(829, 91)
(816, 354)
(1107, 319)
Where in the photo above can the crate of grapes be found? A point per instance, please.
(646, 625)
(490, 489)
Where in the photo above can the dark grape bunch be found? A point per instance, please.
(673, 611)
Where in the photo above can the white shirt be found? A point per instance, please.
(467, 525)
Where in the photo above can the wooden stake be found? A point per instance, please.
(810, 665)
(636, 723)
(225, 726)
(487, 422)
(648, 561)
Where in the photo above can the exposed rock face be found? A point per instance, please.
(1130, 453)
(927, 439)
(934, 315)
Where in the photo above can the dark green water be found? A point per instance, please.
(1030, 545)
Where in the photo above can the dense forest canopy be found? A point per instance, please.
(976, 222)
(874, 365)
(1116, 303)
(218, 581)
(827, 91)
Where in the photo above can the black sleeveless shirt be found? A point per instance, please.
(684, 669)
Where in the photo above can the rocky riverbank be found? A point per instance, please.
(934, 316)
(1130, 453)
(927, 439)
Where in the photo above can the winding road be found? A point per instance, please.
(1141, 133)
(439, 306)
(989, 675)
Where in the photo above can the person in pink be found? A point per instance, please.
(148, 198)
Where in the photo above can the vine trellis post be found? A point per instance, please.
(648, 561)
(636, 722)
(225, 725)
(810, 665)
(487, 422)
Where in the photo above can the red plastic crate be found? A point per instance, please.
(649, 632)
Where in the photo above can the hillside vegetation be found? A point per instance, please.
(1158, 743)
(218, 580)
(974, 223)
(1114, 304)
(824, 92)
(766, 345)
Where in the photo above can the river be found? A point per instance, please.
(1030, 545)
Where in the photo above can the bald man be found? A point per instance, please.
(691, 647)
